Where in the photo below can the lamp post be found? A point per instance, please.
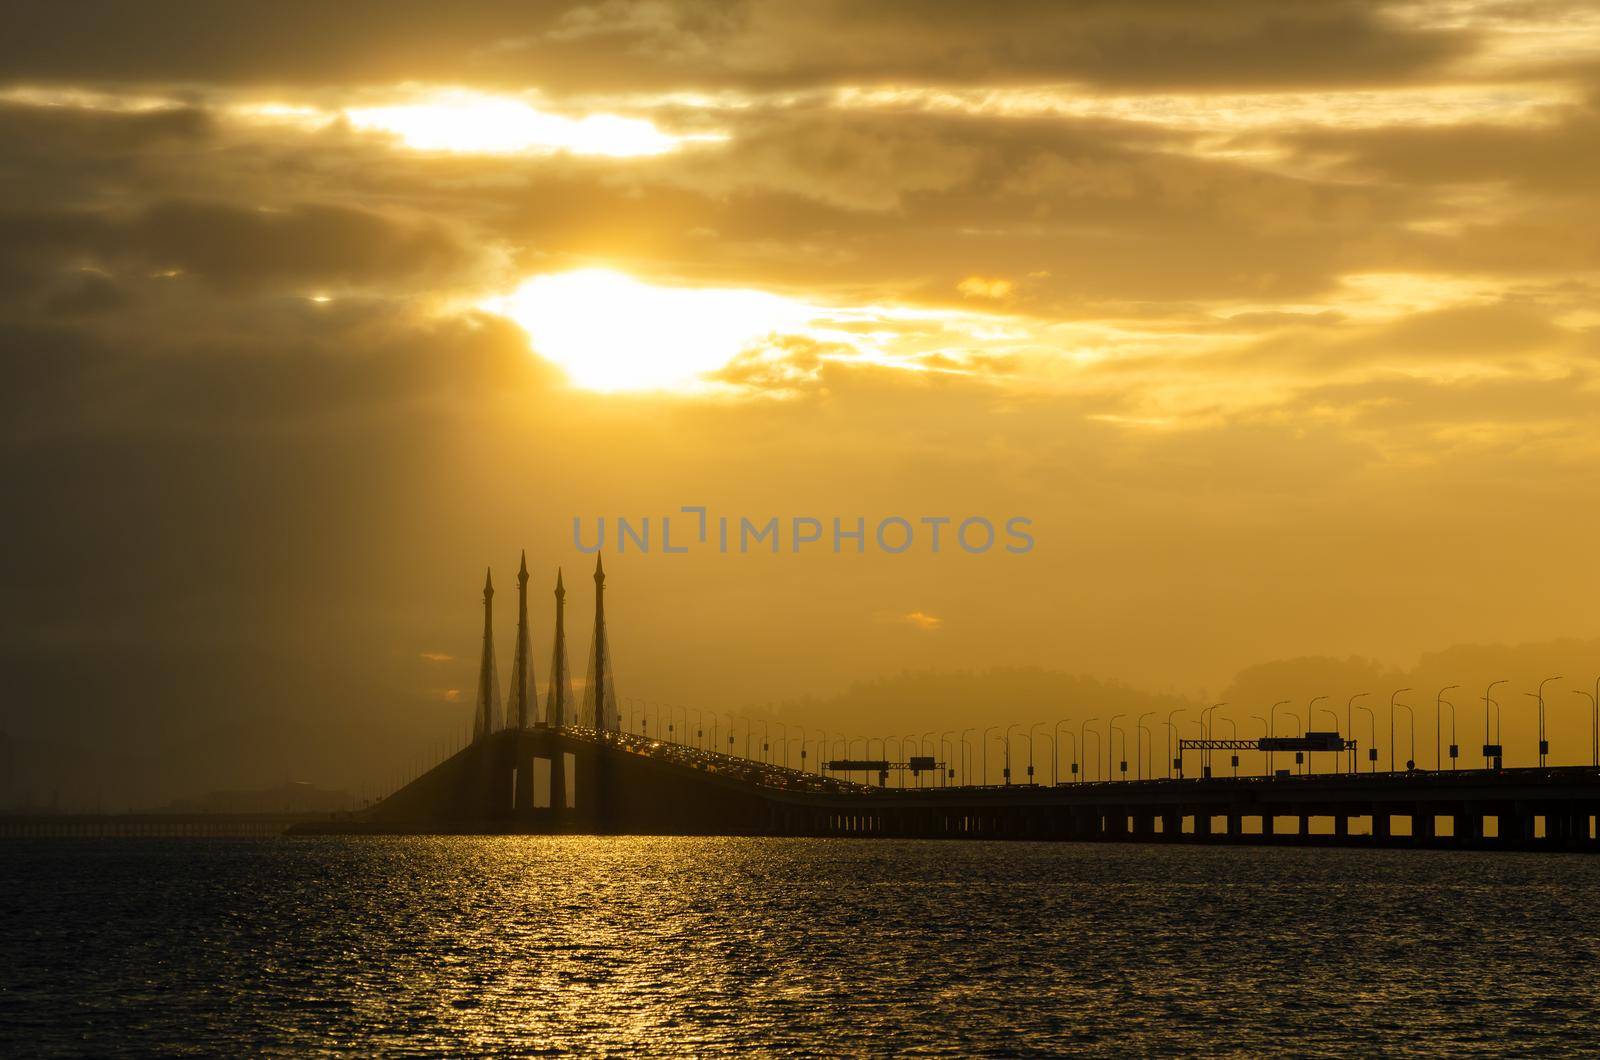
(1272, 730)
(1007, 759)
(1172, 731)
(1087, 757)
(1411, 741)
(1438, 727)
(966, 772)
(1311, 709)
(1350, 725)
(1143, 764)
(1372, 729)
(1055, 765)
(1396, 692)
(1082, 746)
(1544, 744)
(1111, 739)
(1074, 738)
(985, 751)
(1032, 727)
(1205, 734)
(1233, 756)
(1488, 703)
(1594, 720)
(1294, 718)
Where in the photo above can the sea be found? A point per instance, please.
(646, 946)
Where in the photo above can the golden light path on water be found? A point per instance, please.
(649, 946)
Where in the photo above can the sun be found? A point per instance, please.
(611, 332)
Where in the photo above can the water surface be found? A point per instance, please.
(804, 946)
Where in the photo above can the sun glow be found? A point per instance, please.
(611, 332)
(474, 123)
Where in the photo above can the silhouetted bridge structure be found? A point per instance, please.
(622, 783)
(571, 768)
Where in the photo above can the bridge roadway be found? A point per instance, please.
(624, 783)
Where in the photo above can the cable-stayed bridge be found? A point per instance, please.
(571, 768)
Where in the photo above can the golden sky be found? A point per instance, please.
(1278, 320)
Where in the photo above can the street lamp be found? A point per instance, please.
(1296, 719)
(1233, 729)
(1205, 734)
(1111, 739)
(1055, 765)
(1272, 730)
(1082, 746)
(1411, 742)
(1488, 702)
(1544, 744)
(1350, 724)
(1140, 729)
(1311, 709)
(1372, 729)
(1594, 720)
(1172, 730)
(985, 750)
(1396, 692)
(1007, 760)
(966, 772)
(1087, 757)
(1032, 727)
(1438, 726)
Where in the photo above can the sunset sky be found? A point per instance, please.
(1279, 321)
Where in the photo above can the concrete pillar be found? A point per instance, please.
(1266, 823)
(1235, 825)
(1202, 823)
(1380, 822)
(1341, 825)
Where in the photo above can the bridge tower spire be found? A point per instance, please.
(599, 690)
(486, 713)
(522, 707)
(559, 701)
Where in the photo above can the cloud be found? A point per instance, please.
(922, 620)
(981, 287)
(749, 44)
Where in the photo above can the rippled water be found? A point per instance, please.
(645, 945)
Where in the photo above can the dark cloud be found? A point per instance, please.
(613, 45)
(240, 247)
